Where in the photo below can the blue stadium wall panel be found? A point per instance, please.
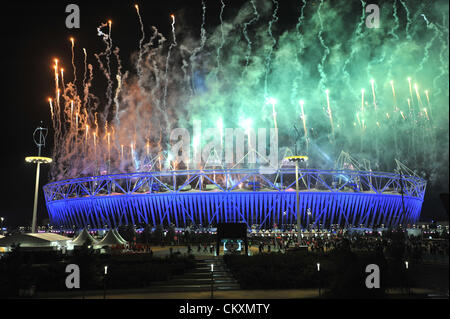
(263, 208)
(371, 204)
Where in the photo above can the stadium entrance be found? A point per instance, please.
(232, 236)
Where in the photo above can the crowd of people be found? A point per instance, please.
(414, 246)
(201, 243)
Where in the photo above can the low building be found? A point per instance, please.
(40, 241)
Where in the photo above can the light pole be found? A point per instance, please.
(318, 271)
(212, 281)
(407, 283)
(104, 282)
(297, 159)
(1, 224)
(39, 141)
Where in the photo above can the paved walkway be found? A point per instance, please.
(229, 294)
(232, 294)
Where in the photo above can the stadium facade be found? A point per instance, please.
(252, 196)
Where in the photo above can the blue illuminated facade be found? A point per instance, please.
(252, 196)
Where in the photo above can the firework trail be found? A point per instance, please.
(443, 55)
(184, 52)
(72, 40)
(396, 22)
(300, 47)
(358, 34)
(151, 65)
(269, 54)
(107, 53)
(172, 45)
(141, 41)
(372, 82)
(303, 117)
(202, 43)
(62, 81)
(249, 43)
(87, 86)
(408, 18)
(323, 77)
(376, 63)
(222, 35)
(330, 114)
(166, 79)
(394, 35)
(394, 96)
(119, 83)
(85, 67)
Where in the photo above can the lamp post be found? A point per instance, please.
(318, 271)
(407, 283)
(39, 141)
(1, 224)
(212, 281)
(104, 282)
(297, 159)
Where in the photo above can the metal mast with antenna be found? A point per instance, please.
(39, 136)
(296, 160)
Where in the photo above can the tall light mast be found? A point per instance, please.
(39, 136)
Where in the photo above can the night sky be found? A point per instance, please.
(34, 33)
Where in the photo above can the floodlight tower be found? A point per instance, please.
(39, 136)
(296, 160)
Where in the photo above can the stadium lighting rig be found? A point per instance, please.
(39, 136)
(296, 160)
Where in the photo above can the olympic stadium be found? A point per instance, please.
(252, 196)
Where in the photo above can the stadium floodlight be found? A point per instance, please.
(296, 160)
(39, 141)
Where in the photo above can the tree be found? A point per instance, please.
(158, 234)
(171, 233)
(146, 234)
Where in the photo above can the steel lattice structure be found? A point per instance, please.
(253, 196)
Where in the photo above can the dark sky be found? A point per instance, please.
(32, 34)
